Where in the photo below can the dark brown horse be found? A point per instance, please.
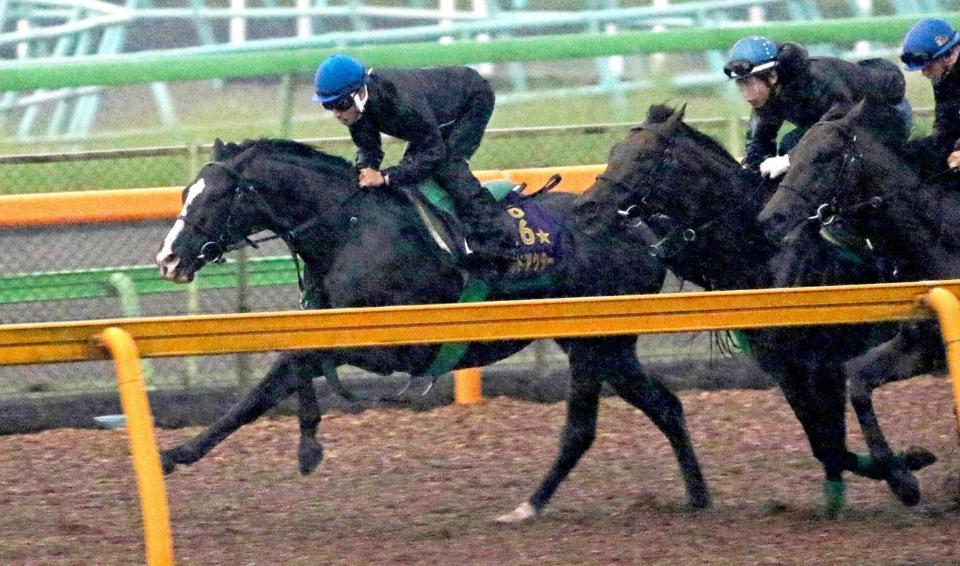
(364, 248)
(698, 209)
(855, 177)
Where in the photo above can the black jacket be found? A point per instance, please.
(807, 87)
(418, 106)
(946, 121)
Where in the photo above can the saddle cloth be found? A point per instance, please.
(538, 235)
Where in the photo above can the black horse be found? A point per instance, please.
(365, 247)
(860, 180)
(683, 193)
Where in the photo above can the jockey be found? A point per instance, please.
(783, 84)
(441, 112)
(932, 47)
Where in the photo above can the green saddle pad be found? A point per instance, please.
(438, 197)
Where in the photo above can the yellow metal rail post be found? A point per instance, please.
(947, 307)
(467, 386)
(143, 446)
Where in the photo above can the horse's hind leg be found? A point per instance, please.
(579, 432)
(283, 378)
(663, 408)
(907, 354)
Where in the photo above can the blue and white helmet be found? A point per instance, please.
(749, 56)
(337, 77)
(927, 41)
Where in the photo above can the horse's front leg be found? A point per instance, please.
(579, 433)
(817, 396)
(286, 375)
(310, 452)
(909, 353)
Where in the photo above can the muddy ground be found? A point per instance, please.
(405, 487)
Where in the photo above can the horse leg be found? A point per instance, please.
(649, 395)
(818, 400)
(281, 380)
(578, 435)
(310, 451)
(906, 355)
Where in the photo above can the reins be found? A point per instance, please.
(214, 249)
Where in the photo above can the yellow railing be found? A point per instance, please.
(47, 342)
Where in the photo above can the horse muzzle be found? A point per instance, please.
(172, 270)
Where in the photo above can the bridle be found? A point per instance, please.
(850, 171)
(830, 213)
(214, 249)
(678, 238)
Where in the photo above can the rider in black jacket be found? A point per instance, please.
(932, 46)
(783, 84)
(442, 113)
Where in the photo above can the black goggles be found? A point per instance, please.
(742, 68)
(916, 58)
(737, 69)
(341, 104)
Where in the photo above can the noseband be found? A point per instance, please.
(213, 250)
(828, 212)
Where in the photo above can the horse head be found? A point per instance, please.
(839, 165)
(664, 173)
(273, 185)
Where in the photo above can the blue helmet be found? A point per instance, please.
(927, 41)
(338, 76)
(750, 55)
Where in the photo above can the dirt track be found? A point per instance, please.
(403, 487)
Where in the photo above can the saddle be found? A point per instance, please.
(539, 237)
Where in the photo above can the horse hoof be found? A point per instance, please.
(905, 486)
(916, 458)
(523, 512)
(310, 455)
(167, 463)
(700, 500)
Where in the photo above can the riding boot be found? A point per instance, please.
(491, 247)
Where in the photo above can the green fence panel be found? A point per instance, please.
(95, 283)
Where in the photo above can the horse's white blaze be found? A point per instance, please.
(523, 512)
(165, 258)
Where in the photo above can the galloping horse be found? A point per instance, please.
(701, 207)
(855, 176)
(369, 247)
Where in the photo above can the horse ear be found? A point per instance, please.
(218, 150)
(673, 122)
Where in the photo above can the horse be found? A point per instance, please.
(370, 247)
(685, 199)
(862, 183)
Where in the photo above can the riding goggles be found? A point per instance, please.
(341, 104)
(917, 59)
(742, 68)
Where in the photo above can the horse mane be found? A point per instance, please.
(292, 152)
(885, 122)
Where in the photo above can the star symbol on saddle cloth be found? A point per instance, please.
(544, 237)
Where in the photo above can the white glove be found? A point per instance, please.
(774, 167)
